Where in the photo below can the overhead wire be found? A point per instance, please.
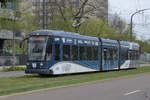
(143, 18)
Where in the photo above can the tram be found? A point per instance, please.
(52, 52)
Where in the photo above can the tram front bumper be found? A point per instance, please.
(38, 71)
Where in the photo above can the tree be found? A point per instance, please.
(75, 14)
(3, 3)
(118, 23)
(20, 22)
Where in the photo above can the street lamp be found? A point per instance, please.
(44, 15)
(131, 27)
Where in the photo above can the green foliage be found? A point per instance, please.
(91, 27)
(145, 46)
(59, 24)
(8, 46)
(96, 27)
(21, 22)
(16, 68)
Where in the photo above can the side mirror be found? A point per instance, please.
(23, 41)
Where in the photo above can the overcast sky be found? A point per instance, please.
(126, 7)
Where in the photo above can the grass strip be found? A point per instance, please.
(16, 68)
(34, 82)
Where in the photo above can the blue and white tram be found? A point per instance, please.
(59, 52)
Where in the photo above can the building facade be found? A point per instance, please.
(7, 9)
(102, 9)
(7, 12)
(51, 8)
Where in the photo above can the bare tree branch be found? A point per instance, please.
(80, 12)
(60, 10)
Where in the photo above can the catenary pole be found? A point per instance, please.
(131, 22)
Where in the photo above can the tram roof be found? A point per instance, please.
(78, 36)
(109, 41)
(63, 34)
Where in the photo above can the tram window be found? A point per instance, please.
(66, 52)
(82, 53)
(95, 53)
(105, 54)
(137, 55)
(74, 52)
(133, 55)
(124, 54)
(114, 54)
(89, 53)
(110, 54)
(57, 52)
(130, 55)
(127, 57)
(49, 52)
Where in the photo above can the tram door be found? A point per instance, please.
(110, 59)
(105, 59)
(133, 57)
(57, 50)
(49, 51)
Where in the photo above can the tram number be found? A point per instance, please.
(66, 68)
(34, 65)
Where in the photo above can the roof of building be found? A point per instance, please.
(8, 35)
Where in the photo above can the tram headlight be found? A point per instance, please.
(41, 64)
(27, 64)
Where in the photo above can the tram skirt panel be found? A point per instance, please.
(69, 67)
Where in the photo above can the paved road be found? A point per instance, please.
(131, 88)
(12, 74)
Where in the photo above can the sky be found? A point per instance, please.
(141, 21)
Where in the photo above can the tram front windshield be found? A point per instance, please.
(37, 48)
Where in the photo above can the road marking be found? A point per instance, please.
(132, 92)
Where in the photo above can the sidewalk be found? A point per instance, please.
(12, 74)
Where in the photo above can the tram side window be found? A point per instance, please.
(95, 53)
(130, 55)
(49, 52)
(74, 52)
(124, 54)
(127, 55)
(66, 52)
(57, 52)
(137, 55)
(110, 54)
(89, 53)
(105, 54)
(115, 54)
(133, 55)
(82, 53)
